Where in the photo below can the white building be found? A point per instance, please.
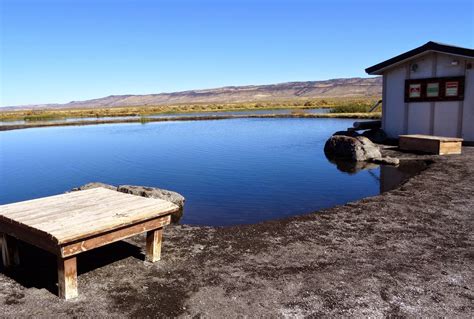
(428, 90)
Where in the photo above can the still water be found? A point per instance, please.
(235, 171)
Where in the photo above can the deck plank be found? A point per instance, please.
(94, 208)
(55, 210)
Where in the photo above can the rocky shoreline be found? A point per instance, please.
(404, 253)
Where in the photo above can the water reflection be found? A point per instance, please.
(390, 176)
(171, 115)
(352, 167)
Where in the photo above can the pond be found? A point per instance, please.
(236, 171)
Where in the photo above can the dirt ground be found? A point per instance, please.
(405, 253)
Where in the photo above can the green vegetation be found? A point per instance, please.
(144, 119)
(298, 112)
(340, 105)
(354, 108)
(38, 117)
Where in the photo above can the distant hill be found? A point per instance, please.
(347, 87)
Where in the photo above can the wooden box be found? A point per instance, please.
(430, 144)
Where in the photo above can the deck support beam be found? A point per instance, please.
(10, 254)
(153, 245)
(67, 277)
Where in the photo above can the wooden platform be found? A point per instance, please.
(430, 144)
(72, 223)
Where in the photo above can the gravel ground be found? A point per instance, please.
(405, 253)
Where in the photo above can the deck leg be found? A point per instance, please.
(10, 255)
(153, 245)
(67, 277)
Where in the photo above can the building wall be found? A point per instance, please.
(452, 118)
(468, 106)
(447, 114)
(394, 111)
(418, 121)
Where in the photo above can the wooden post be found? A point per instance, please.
(10, 255)
(67, 277)
(153, 245)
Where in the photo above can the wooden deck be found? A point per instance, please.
(439, 145)
(71, 223)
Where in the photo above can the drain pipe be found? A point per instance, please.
(375, 106)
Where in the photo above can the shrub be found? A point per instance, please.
(351, 108)
(298, 112)
(144, 119)
(41, 117)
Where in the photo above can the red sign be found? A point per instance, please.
(415, 90)
(452, 88)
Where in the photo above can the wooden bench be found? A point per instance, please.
(430, 144)
(72, 223)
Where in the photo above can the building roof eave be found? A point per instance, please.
(427, 47)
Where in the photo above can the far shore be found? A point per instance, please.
(144, 120)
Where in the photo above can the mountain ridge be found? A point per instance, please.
(340, 87)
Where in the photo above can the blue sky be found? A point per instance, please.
(57, 51)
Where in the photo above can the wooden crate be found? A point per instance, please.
(430, 144)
